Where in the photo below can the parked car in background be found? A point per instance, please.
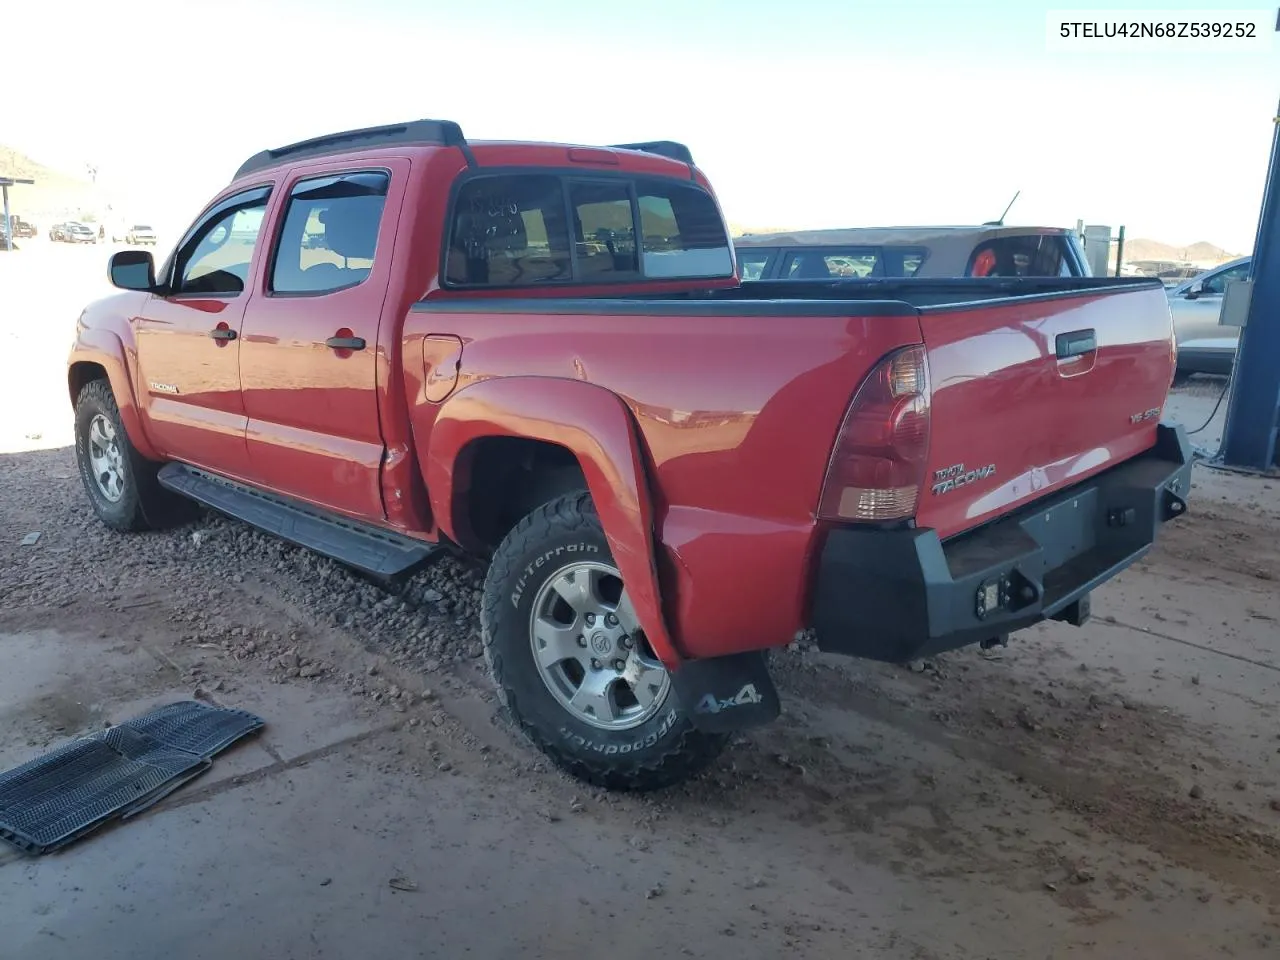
(141, 235)
(21, 229)
(1204, 345)
(72, 232)
(875, 252)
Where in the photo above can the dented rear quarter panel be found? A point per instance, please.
(731, 421)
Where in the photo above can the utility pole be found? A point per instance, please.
(1249, 437)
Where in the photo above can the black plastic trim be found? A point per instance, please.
(374, 550)
(439, 132)
(662, 148)
(665, 307)
(895, 595)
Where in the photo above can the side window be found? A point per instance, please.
(912, 262)
(215, 259)
(682, 234)
(753, 263)
(1029, 256)
(604, 231)
(833, 264)
(1218, 282)
(509, 230)
(330, 233)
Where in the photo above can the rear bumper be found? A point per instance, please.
(899, 594)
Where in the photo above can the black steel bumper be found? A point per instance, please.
(899, 594)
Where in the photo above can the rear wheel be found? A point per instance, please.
(572, 664)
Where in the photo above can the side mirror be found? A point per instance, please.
(132, 270)
(1195, 290)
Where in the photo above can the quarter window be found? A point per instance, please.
(330, 233)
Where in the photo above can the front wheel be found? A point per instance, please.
(120, 482)
(572, 664)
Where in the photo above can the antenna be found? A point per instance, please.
(1000, 222)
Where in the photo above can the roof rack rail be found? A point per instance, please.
(441, 132)
(663, 148)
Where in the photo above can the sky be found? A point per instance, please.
(804, 113)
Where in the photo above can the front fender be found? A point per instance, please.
(95, 346)
(597, 428)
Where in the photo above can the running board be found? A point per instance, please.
(363, 546)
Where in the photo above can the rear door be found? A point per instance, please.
(1032, 395)
(310, 359)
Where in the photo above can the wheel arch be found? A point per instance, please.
(543, 416)
(99, 355)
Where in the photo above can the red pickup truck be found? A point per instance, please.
(392, 341)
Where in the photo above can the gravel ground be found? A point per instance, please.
(1112, 791)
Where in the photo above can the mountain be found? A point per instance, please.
(53, 196)
(1201, 252)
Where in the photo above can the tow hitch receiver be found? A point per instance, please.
(723, 694)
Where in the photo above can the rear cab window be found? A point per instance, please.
(1037, 255)
(519, 229)
(830, 263)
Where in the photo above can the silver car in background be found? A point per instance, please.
(1204, 345)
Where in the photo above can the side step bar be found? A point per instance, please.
(360, 545)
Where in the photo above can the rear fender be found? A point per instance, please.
(105, 349)
(598, 429)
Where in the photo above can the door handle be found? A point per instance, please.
(222, 334)
(345, 343)
(1076, 343)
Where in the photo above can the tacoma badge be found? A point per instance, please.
(947, 479)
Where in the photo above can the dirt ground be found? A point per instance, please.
(1111, 791)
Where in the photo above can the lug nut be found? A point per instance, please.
(595, 664)
(626, 643)
(591, 619)
(610, 620)
(619, 665)
(582, 641)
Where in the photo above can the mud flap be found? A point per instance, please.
(723, 694)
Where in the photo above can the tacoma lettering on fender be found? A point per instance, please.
(389, 342)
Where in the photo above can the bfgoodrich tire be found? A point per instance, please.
(121, 484)
(570, 663)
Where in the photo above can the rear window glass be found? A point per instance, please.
(911, 263)
(830, 265)
(1030, 256)
(536, 228)
(752, 263)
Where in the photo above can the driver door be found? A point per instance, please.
(189, 339)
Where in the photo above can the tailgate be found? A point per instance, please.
(1032, 395)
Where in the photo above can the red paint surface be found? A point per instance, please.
(704, 439)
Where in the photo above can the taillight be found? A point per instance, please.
(878, 462)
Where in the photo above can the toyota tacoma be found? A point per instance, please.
(387, 343)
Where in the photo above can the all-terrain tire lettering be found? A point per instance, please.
(665, 749)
